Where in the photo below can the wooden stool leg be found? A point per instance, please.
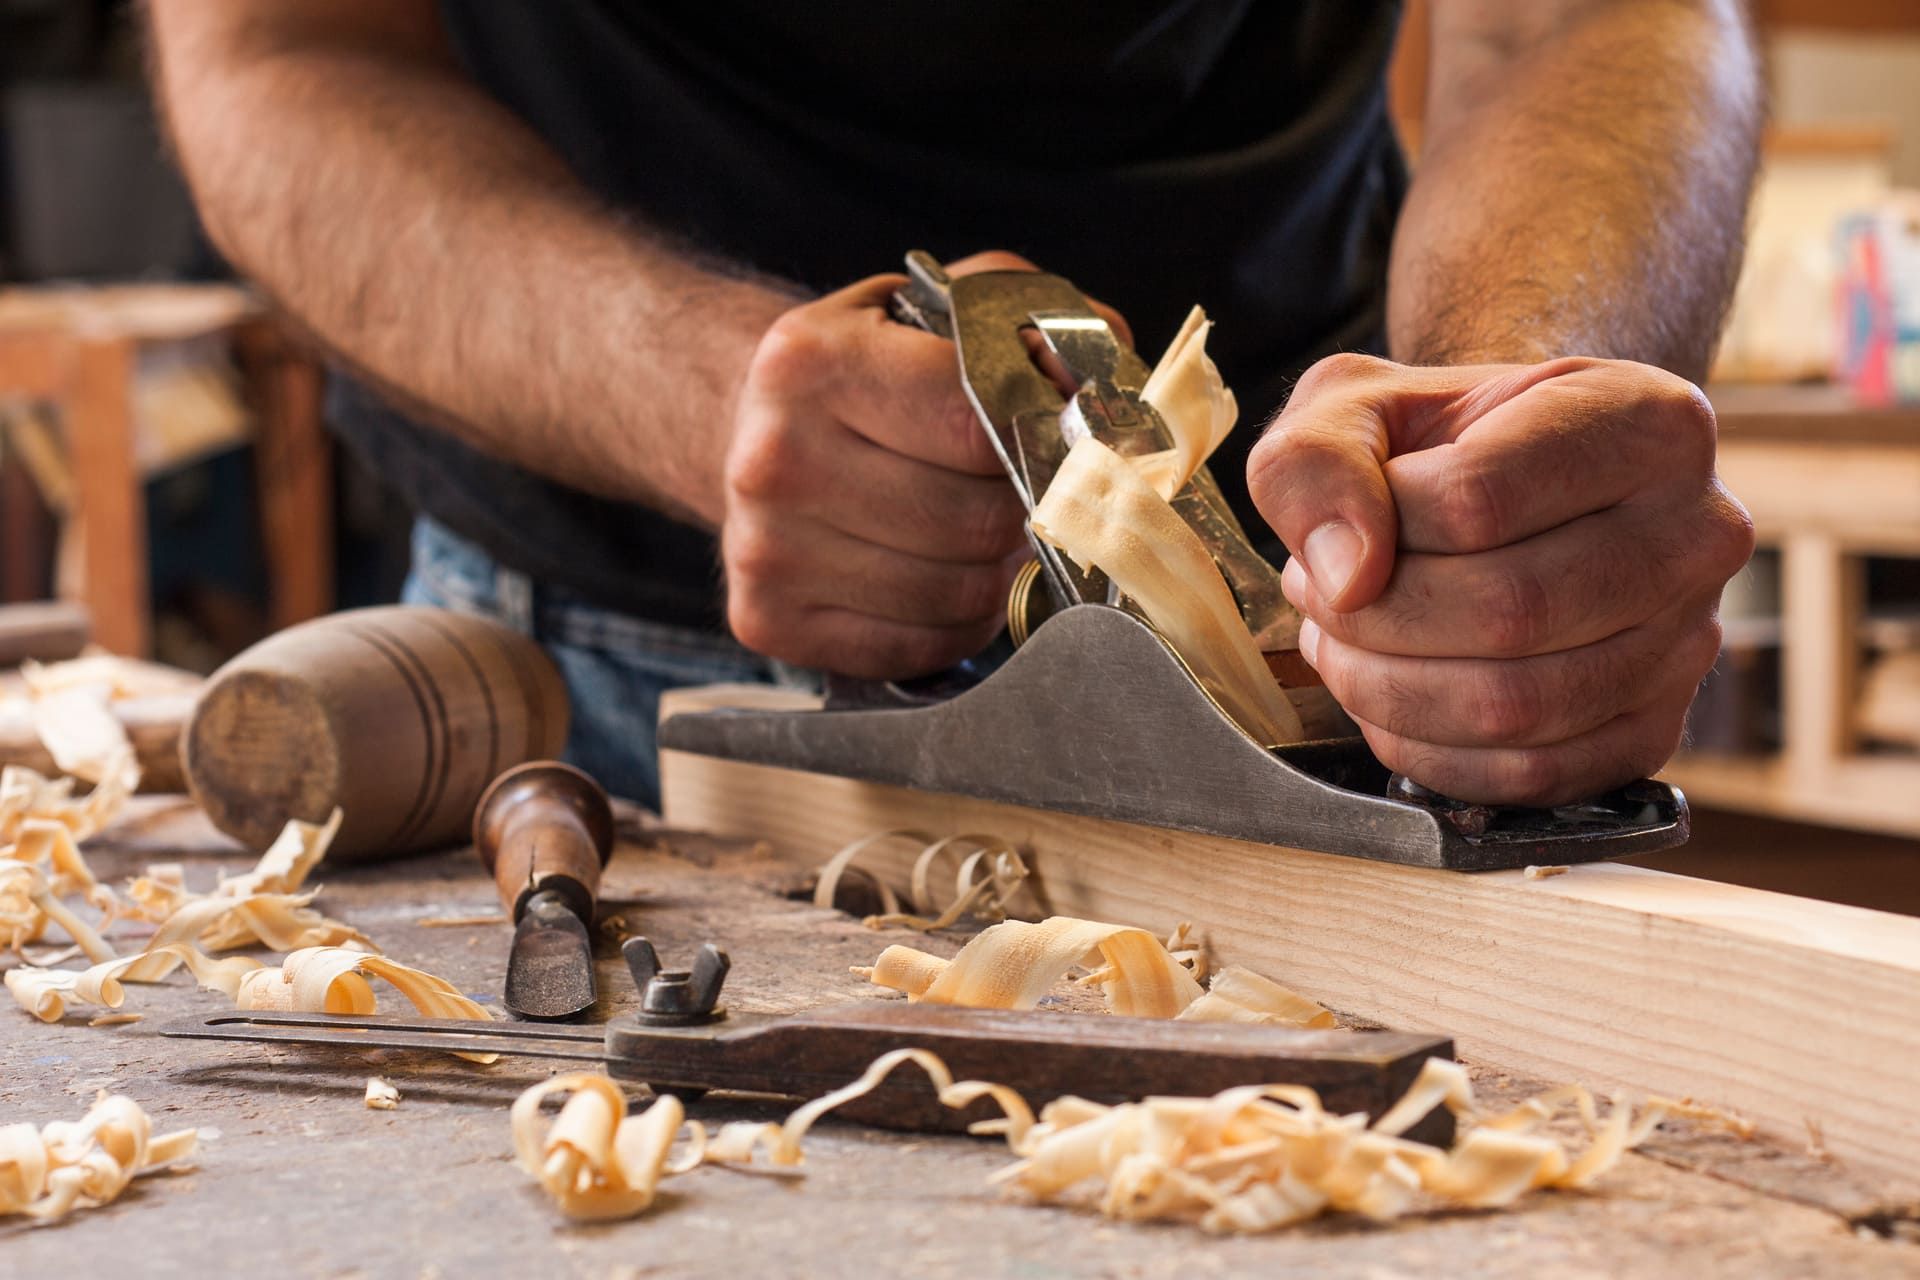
(293, 461)
(110, 503)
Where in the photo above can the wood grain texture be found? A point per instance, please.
(1790, 1011)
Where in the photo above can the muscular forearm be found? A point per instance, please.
(1583, 186)
(429, 238)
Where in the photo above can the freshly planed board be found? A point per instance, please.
(1801, 1015)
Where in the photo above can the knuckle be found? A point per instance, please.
(989, 530)
(760, 466)
(992, 260)
(1734, 527)
(954, 418)
(1652, 751)
(1507, 708)
(1513, 609)
(792, 353)
(1474, 510)
(1376, 692)
(1691, 413)
(753, 623)
(1530, 776)
(1702, 649)
(1342, 368)
(751, 555)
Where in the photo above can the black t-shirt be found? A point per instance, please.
(1159, 153)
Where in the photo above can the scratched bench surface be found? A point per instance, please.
(303, 1180)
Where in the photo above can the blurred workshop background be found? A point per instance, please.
(163, 460)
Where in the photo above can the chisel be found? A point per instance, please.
(545, 830)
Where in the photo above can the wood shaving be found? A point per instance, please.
(461, 922)
(986, 881)
(1186, 389)
(114, 1019)
(826, 889)
(1101, 512)
(381, 1095)
(1250, 1159)
(1012, 965)
(335, 980)
(1238, 994)
(599, 1163)
(84, 738)
(596, 1161)
(1541, 873)
(47, 1173)
(25, 794)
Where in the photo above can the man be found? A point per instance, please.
(604, 247)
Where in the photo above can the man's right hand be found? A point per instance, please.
(870, 529)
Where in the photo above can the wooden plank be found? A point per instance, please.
(1790, 1011)
(111, 503)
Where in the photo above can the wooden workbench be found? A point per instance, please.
(303, 1180)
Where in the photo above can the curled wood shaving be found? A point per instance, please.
(84, 737)
(736, 1143)
(1012, 965)
(1193, 400)
(1101, 512)
(599, 1163)
(1541, 873)
(1248, 1159)
(1260, 1158)
(46, 993)
(288, 861)
(596, 1161)
(987, 879)
(28, 904)
(49, 1172)
(25, 794)
(381, 1095)
(1238, 994)
(335, 980)
(826, 888)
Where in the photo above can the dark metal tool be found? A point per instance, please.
(1094, 714)
(682, 1041)
(545, 830)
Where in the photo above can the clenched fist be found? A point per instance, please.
(870, 528)
(1511, 574)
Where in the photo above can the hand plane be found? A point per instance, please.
(1094, 713)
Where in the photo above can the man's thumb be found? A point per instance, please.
(1317, 478)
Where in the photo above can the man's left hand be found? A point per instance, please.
(1511, 574)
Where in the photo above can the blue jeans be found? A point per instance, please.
(616, 666)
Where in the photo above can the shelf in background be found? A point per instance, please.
(1866, 793)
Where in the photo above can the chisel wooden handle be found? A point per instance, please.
(545, 827)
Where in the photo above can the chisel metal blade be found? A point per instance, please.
(550, 971)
